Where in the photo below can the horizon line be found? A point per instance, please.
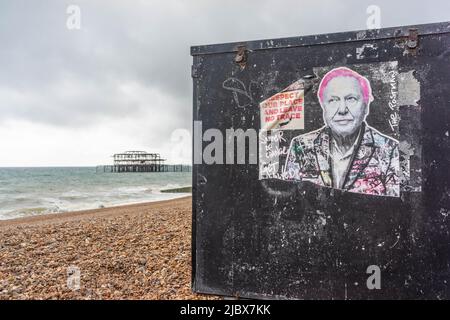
(80, 166)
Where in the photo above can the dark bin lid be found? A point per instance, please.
(361, 35)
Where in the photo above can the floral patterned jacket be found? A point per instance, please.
(374, 167)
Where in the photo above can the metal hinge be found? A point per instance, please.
(241, 56)
(413, 38)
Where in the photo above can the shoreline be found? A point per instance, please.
(137, 251)
(49, 216)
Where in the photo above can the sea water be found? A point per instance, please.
(35, 191)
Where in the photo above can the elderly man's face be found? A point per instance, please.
(343, 106)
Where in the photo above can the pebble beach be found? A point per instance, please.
(140, 251)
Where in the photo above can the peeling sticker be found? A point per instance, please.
(284, 110)
(361, 35)
(408, 89)
(367, 50)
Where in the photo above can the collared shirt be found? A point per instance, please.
(340, 162)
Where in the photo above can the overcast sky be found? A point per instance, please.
(122, 81)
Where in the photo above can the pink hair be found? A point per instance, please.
(346, 72)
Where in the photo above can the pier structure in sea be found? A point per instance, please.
(141, 161)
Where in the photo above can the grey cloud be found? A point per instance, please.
(147, 43)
